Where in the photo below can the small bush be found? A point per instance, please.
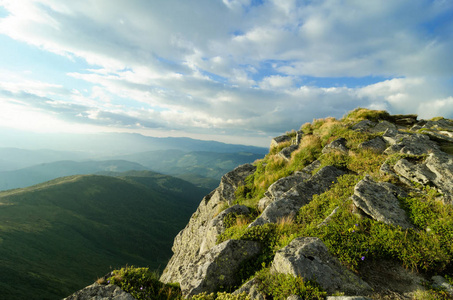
(142, 283)
(360, 114)
(280, 286)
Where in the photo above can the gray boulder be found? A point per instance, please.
(337, 145)
(231, 180)
(377, 145)
(309, 258)
(280, 139)
(301, 194)
(218, 267)
(363, 125)
(311, 167)
(286, 152)
(378, 200)
(217, 226)
(436, 169)
(413, 144)
(192, 241)
(98, 291)
(383, 126)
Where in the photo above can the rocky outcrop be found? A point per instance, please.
(280, 139)
(194, 239)
(286, 152)
(217, 226)
(309, 258)
(289, 203)
(338, 145)
(378, 200)
(377, 145)
(281, 186)
(98, 291)
(217, 268)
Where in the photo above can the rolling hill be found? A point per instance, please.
(58, 236)
(48, 171)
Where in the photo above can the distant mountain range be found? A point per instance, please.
(109, 144)
(58, 236)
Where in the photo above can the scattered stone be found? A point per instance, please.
(218, 267)
(280, 139)
(363, 125)
(251, 289)
(281, 186)
(290, 202)
(437, 170)
(98, 291)
(377, 145)
(379, 201)
(337, 145)
(311, 167)
(383, 126)
(294, 297)
(286, 152)
(413, 144)
(309, 258)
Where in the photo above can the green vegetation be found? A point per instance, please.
(58, 237)
(142, 283)
(354, 240)
(281, 286)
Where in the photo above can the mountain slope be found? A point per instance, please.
(48, 171)
(58, 236)
(361, 206)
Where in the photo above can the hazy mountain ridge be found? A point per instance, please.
(60, 235)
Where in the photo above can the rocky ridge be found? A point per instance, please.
(395, 163)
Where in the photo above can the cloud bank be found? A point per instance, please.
(230, 69)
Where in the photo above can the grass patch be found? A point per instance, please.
(280, 286)
(142, 283)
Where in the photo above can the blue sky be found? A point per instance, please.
(237, 71)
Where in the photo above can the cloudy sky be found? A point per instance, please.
(238, 71)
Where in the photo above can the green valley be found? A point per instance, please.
(58, 236)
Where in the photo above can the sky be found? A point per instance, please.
(236, 71)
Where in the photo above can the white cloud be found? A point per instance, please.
(228, 66)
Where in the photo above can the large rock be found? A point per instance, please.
(281, 186)
(309, 258)
(217, 226)
(218, 267)
(286, 152)
(280, 139)
(413, 144)
(379, 201)
(194, 239)
(98, 291)
(338, 145)
(377, 145)
(291, 201)
(436, 169)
